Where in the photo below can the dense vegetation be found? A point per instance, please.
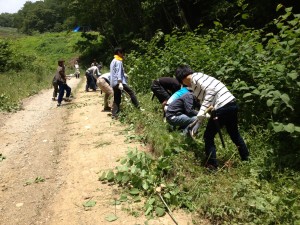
(28, 64)
(258, 61)
(262, 70)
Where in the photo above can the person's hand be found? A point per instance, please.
(193, 128)
(120, 87)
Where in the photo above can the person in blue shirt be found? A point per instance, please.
(181, 112)
(118, 82)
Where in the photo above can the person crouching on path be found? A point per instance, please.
(60, 77)
(103, 82)
(118, 82)
(212, 92)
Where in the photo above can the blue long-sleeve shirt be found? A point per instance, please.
(117, 72)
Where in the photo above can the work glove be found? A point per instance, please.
(120, 87)
(193, 128)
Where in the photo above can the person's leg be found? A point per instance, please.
(230, 121)
(87, 82)
(117, 101)
(182, 120)
(132, 95)
(106, 88)
(55, 91)
(61, 93)
(210, 148)
(159, 91)
(68, 90)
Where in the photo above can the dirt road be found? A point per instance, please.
(52, 159)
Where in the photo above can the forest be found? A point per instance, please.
(251, 46)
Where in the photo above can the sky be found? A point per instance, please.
(12, 6)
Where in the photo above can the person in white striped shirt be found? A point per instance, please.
(212, 92)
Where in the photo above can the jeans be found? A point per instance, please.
(182, 121)
(226, 116)
(62, 88)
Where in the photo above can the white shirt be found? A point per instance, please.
(210, 92)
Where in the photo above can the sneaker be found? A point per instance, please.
(53, 99)
(58, 104)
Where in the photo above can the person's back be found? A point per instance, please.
(185, 104)
(176, 95)
(181, 112)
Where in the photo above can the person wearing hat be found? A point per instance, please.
(61, 79)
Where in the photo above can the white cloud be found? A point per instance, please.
(12, 6)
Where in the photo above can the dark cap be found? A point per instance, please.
(61, 60)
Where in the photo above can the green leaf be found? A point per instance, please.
(289, 128)
(297, 129)
(134, 191)
(111, 218)
(247, 95)
(89, 203)
(123, 198)
(279, 6)
(245, 16)
(145, 185)
(280, 67)
(255, 91)
(137, 199)
(285, 98)
(102, 177)
(110, 176)
(125, 179)
(149, 208)
(269, 102)
(167, 195)
(293, 75)
(160, 211)
(278, 127)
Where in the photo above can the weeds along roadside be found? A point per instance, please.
(252, 192)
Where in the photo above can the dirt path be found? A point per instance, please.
(53, 156)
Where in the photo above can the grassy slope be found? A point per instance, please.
(37, 58)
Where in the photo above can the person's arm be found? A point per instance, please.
(189, 104)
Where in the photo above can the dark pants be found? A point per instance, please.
(161, 93)
(90, 82)
(62, 88)
(118, 98)
(226, 116)
(55, 86)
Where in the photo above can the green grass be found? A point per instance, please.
(33, 65)
(253, 192)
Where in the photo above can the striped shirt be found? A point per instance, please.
(209, 91)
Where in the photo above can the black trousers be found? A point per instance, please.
(118, 98)
(161, 93)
